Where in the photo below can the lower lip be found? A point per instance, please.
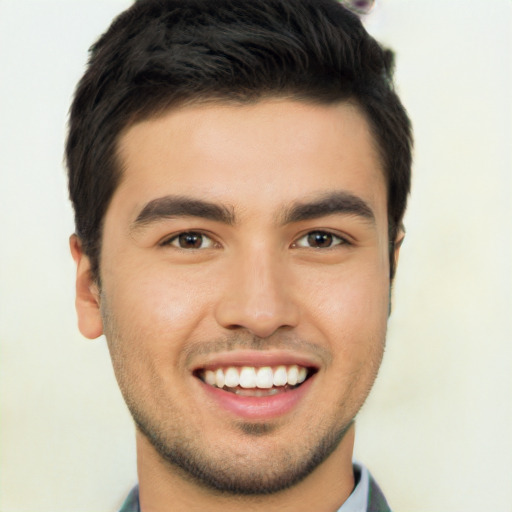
(258, 407)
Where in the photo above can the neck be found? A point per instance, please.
(163, 488)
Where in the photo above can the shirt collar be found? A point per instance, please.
(358, 500)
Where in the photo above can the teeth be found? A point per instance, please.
(210, 377)
(232, 379)
(280, 376)
(293, 375)
(257, 392)
(264, 378)
(250, 378)
(219, 378)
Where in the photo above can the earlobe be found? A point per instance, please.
(87, 301)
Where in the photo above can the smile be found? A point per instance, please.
(256, 381)
(250, 377)
(256, 385)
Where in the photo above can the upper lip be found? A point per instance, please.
(255, 358)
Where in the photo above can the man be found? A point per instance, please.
(239, 172)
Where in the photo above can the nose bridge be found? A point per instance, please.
(259, 293)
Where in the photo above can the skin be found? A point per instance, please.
(255, 285)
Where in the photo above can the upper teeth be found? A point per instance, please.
(250, 377)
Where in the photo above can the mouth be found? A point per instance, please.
(256, 381)
(256, 385)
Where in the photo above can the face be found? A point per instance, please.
(244, 286)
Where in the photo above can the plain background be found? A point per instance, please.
(437, 429)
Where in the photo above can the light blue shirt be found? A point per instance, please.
(358, 500)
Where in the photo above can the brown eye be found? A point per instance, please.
(191, 240)
(319, 240)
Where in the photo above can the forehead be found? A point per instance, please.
(265, 154)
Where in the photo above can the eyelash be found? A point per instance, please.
(176, 238)
(334, 240)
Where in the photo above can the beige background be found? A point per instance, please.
(437, 430)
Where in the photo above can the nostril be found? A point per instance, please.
(259, 304)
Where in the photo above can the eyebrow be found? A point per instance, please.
(167, 207)
(339, 202)
(179, 206)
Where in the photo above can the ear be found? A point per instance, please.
(396, 247)
(87, 301)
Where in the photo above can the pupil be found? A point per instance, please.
(319, 239)
(191, 240)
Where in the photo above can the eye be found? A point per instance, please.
(319, 240)
(190, 240)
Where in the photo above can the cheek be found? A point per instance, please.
(350, 309)
(159, 309)
(152, 317)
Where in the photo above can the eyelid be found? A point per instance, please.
(168, 240)
(341, 239)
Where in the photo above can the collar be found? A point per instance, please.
(358, 500)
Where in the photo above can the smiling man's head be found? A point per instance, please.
(239, 172)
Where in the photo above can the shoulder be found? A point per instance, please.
(131, 503)
(376, 500)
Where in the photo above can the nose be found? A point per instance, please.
(258, 296)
